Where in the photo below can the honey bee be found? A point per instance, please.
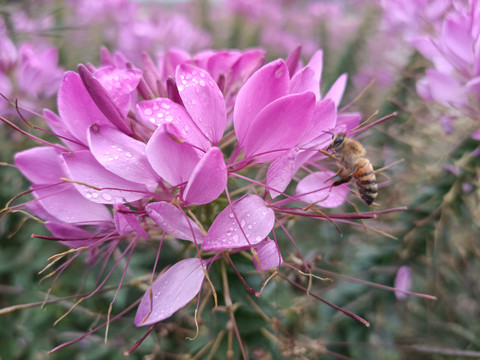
(350, 155)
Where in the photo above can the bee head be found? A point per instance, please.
(337, 142)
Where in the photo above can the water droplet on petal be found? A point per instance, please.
(106, 196)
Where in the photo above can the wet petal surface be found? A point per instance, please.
(170, 292)
(174, 222)
(250, 217)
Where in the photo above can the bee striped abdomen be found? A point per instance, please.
(366, 180)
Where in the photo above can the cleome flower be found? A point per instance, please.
(212, 149)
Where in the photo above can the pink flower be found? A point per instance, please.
(403, 281)
(171, 166)
(29, 74)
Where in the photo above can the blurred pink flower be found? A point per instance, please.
(403, 281)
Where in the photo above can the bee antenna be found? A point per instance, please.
(329, 132)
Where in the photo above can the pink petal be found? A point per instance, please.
(168, 62)
(323, 119)
(250, 214)
(249, 62)
(36, 208)
(316, 63)
(103, 99)
(121, 154)
(172, 160)
(279, 126)
(67, 205)
(315, 188)
(120, 84)
(126, 222)
(58, 127)
(293, 60)
(347, 122)
(338, 88)
(203, 100)
(164, 111)
(76, 108)
(82, 167)
(268, 254)
(304, 80)
(174, 222)
(459, 42)
(280, 173)
(170, 292)
(79, 236)
(264, 86)
(403, 281)
(445, 88)
(221, 61)
(40, 165)
(476, 135)
(208, 179)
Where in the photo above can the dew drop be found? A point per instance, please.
(106, 197)
(242, 223)
(148, 112)
(95, 195)
(235, 238)
(250, 227)
(165, 106)
(128, 154)
(202, 83)
(258, 239)
(181, 88)
(231, 215)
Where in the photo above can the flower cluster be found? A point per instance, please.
(28, 71)
(145, 152)
(446, 33)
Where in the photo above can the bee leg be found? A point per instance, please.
(343, 176)
(339, 180)
(335, 177)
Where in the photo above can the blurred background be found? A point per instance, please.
(400, 56)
